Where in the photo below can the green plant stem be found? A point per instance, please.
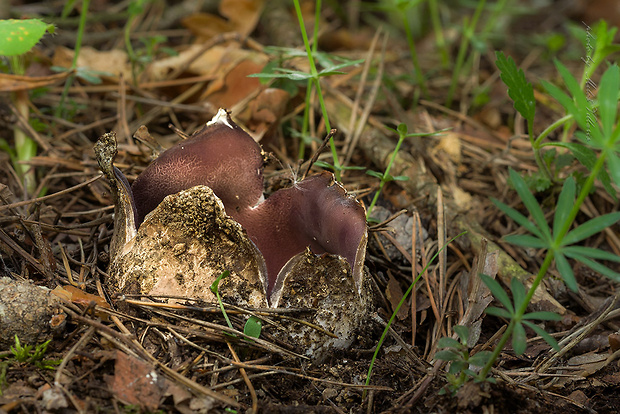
(414, 56)
(400, 304)
(76, 55)
(315, 77)
(520, 311)
(537, 142)
(518, 315)
(25, 147)
(468, 28)
(438, 29)
(386, 174)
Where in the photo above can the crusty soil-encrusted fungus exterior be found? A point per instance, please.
(198, 210)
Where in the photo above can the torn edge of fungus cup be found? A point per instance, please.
(198, 210)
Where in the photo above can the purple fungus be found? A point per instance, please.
(315, 213)
(221, 156)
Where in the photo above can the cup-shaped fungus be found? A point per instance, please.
(198, 209)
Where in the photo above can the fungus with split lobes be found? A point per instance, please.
(313, 221)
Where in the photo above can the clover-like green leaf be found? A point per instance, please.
(447, 342)
(463, 333)
(20, 36)
(253, 327)
(480, 359)
(518, 291)
(447, 355)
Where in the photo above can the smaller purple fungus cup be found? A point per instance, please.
(195, 207)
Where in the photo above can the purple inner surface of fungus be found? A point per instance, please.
(315, 212)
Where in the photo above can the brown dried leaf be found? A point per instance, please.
(12, 83)
(394, 294)
(135, 382)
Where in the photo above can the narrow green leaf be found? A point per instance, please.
(497, 291)
(526, 240)
(518, 217)
(566, 271)
(583, 105)
(613, 163)
(253, 327)
(591, 252)
(559, 95)
(597, 267)
(519, 339)
(375, 174)
(518, 292)
(499, 312)
(531, 204)
(543, 316)
(543, 334)
(591, 227)
(608, 99)
(519, 89)
(564, 205)
(334, 68)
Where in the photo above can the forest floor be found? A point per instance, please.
(115, 353)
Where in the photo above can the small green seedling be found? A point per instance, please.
(215, 290)
(457, 353)
(385, 177)
(17, 38)
(25, 354)
(253, 327)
